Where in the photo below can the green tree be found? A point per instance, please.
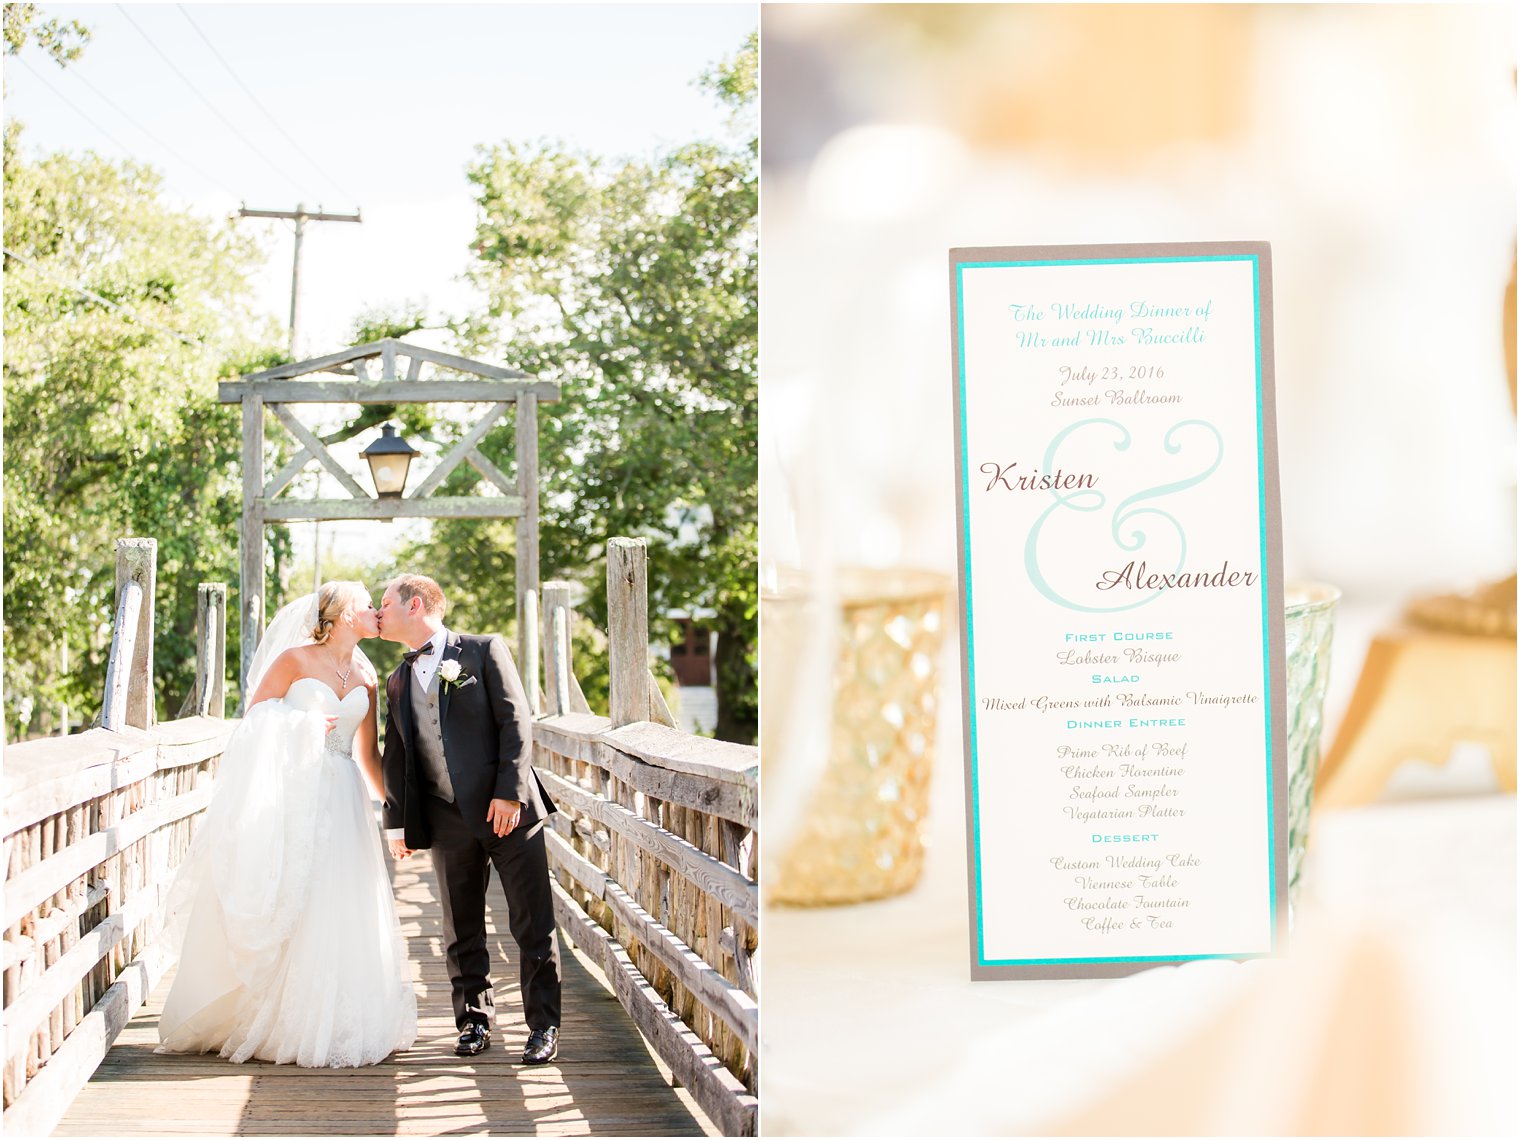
(634, 284)
(63, 40)
(121, 313)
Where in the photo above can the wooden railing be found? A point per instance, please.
(95, 826)
(654, 850)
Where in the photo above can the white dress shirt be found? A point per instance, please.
(427, 664)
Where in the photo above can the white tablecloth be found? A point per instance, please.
(1394, 1014)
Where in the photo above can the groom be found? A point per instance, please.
(458, 780)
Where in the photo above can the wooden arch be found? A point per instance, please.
(407, 374)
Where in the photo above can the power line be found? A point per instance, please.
(154, 138)
(73, 105)
(315, 165)
(80, 289)
(126, 150)
(209, 104)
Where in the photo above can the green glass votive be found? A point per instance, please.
(1310, 617)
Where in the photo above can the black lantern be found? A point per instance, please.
(389, 458)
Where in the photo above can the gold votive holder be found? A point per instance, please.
(862, 828)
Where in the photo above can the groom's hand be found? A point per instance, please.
(399, 849)
(502, 815)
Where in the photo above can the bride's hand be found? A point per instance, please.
(332, 723)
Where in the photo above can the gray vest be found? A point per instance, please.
(431, 765)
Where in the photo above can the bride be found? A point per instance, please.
(290, 950)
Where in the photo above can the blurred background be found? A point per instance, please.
(503, 213)
(1374, 147)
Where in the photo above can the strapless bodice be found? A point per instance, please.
(315, 694)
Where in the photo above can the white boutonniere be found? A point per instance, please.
(449, 673)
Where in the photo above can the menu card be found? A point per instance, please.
(1121, 590)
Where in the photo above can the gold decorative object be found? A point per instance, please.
(1421, 692)
(862, 832)
(1489, 609)
(1444, 676)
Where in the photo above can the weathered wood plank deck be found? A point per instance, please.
(605, 1082)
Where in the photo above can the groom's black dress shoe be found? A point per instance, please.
(542, 1046)
(474, 1040)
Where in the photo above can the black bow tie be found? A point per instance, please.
(411, 655)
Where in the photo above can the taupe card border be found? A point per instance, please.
(1278, 672)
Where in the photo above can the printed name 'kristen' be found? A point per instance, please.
(1003, 475)
(1135, 577)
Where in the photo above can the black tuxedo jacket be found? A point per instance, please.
(487, 742)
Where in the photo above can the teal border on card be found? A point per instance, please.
(970, 625)
(1266, 598)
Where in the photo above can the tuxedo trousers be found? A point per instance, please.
(463, 863)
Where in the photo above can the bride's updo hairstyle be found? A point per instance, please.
(334, 599)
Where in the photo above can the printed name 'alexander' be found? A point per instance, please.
(1136, 576)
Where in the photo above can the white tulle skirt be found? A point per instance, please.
(290, 950)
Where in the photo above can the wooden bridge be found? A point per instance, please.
(654, 858)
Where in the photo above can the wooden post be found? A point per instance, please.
(211, 650)
(137, 560)
(628, 630)
(527, 522)
(197, 693)
(63, 671)
(556, 647)
(113, 708)
(129, 697)
(528, 662)
(251, 580)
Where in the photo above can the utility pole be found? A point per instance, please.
(300, 216)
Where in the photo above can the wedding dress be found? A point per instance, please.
(291, 950)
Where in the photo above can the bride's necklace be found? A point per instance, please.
(343, 675)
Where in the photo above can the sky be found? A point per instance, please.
(369, 108)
